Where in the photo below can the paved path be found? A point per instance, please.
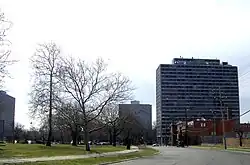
(190, 156)
(69, 157)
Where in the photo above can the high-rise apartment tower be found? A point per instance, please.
(194, 88)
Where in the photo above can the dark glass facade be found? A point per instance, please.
(194, 88)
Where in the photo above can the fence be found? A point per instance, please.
(212, 139)
(235, 142)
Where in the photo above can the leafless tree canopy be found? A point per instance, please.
(68, 116)
(115, 123)
(5, 49)
(93, 88)
(110, 114)
(18, 130)
(44, 64)
(80, 91)
(114, 119)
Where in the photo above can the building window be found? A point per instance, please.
(213, 133)
(203, 124)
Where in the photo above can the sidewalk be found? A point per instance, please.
(69, 157)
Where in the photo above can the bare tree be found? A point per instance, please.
(93, 88)
(114, 122)
(34, 133)
(18, 131)
(62, 131)
(132, 131)
(5, 50)
(68, 117)
(240, 133)
(43, 130)
(61, 127)
(45, 90)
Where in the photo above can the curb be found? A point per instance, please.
(29, 160)
(125, 160)
(236, 152)
(205, 148)
(228, 150)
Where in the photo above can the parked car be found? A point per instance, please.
(155, 145)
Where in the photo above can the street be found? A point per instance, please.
(190, 156)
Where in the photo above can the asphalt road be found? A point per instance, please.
(189, 156)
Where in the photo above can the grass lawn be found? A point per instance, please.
(221, 147)
(91, 161)
(39, 150)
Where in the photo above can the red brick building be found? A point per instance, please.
(210, 127)
(198, 129)
(245, 128)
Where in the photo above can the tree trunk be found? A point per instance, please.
(50, 112)
(74, 138)
(43, 139)
(110, 137)
(128, 144)
(62, 137)
(114, 138)
(241, 141)
(86, 139)
(128, 141)
(79, 139)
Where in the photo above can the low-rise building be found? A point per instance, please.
(207, 131)
(141, 112)
(245, 128)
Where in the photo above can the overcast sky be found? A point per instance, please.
(133, 36)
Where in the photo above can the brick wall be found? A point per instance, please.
(206, 128)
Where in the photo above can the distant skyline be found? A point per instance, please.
(133, 36)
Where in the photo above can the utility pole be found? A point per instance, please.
(186, 132)
(214, 127)
(172, 133)
(223, 121)
(167, 132)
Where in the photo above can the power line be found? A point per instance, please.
(245, 113)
